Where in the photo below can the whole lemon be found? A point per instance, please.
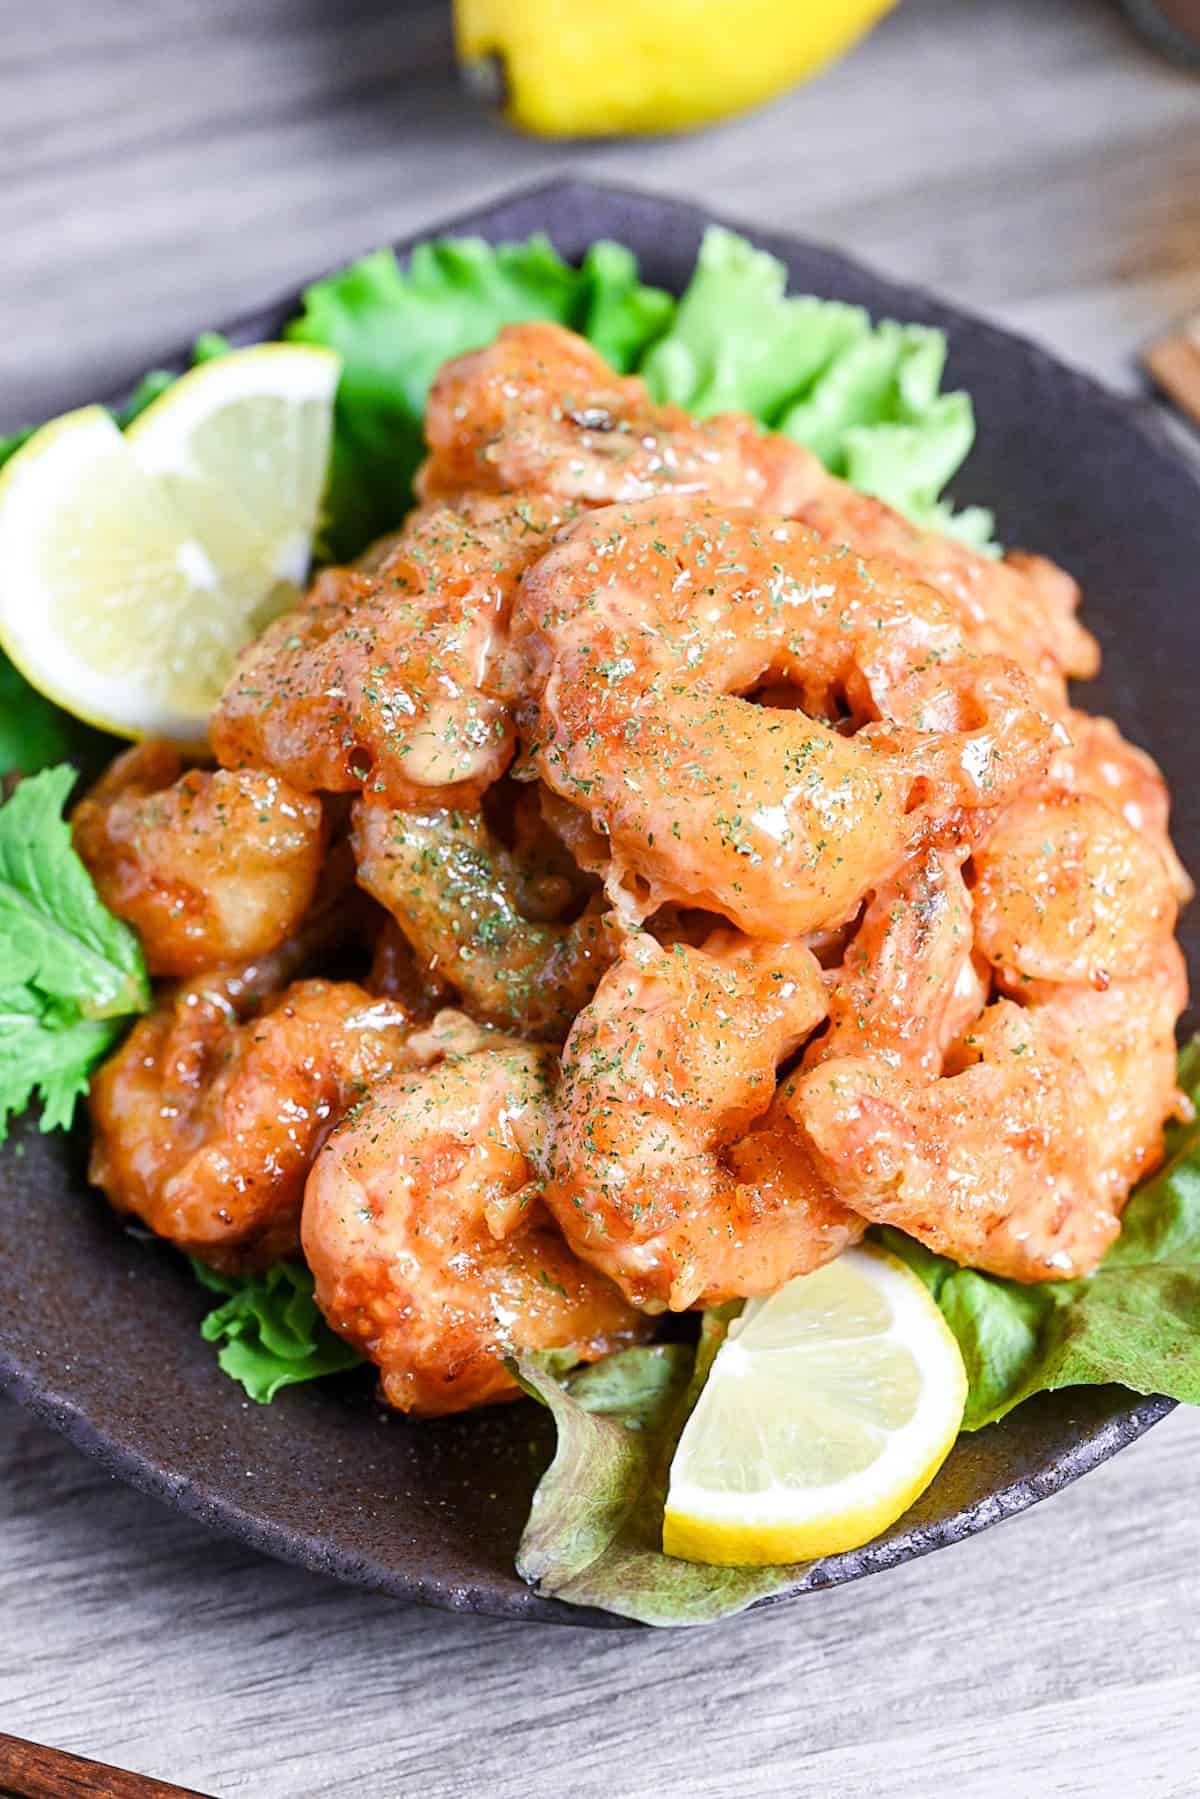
(597, 68)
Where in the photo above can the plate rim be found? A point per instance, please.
(29, 1387)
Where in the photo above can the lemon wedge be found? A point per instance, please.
(830, 1406)
(135, 566)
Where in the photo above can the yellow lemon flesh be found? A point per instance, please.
(572, 68)
(135, 566)
(829, 1408)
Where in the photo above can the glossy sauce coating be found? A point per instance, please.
(991, 1166)
(455, 891)
(643, 630)
(432, 1253)
(539, 409)
(205, 1126)
(672, 1065)
(908, 986)
(397, 680)
(208, 867)
(1067, 890)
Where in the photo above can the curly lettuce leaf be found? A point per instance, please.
(615, 310)
(864, 398)
(70, 973)
(269, 1332)
(594, 1535)
(1135, 1321)
(393, 328)
(45, 1056)
(739, 342)
(52, 921)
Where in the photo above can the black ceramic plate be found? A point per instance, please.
(98, 1330)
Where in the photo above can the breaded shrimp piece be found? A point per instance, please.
(455, 892)
(397, 681)
(208, 867)
(1066, 890)
(993, 1166)
(431, 1251)
(205, 1127)
(908, 986)
(1020, 606)
(1123, 1038)
(539, 410)
(644, 629)
(1020, 1159)
(665, 1074)
(1100, 762)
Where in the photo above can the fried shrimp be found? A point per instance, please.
(991, 1166)
(908, 986)
(1123, 1038)
(208, 867)
(656, 1175)
(539, 410)
(645, 628)
(432, 1253)
(1020, 1158)
(205, 1127)
(1100, 762)
(1066, 890)
(397, 680)
(455, 891)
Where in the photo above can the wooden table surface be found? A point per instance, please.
(167, 164)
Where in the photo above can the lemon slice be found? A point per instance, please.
(829, 1408)
(134, 567)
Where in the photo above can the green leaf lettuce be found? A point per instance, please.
(864, 398)
(393, 329)
(594, 1535)
(72, 974)
(268, 1330)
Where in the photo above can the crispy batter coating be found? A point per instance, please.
(208, 867)
(205, 1126)
(646, 629)
(655, 1174)
(1100, 762)
(432, 1253)
(455, 891)
(908, 986)
(1019, 1162)
(397, 680)
(1066, 890)
(539, 409)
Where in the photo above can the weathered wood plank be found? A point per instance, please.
(1062, 1647)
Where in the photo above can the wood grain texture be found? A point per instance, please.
(167, 165)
